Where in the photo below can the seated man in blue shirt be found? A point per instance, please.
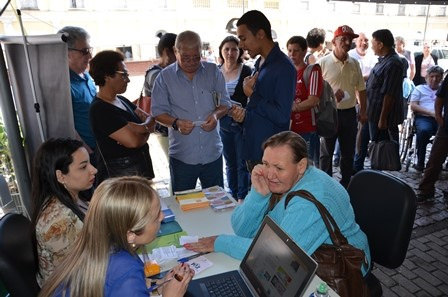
(270, 90)
(422, 104)
(82, 87)
(189, 97)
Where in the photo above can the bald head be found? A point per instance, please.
(188, 40)
(362, 43)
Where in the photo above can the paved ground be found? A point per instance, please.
(425, 270)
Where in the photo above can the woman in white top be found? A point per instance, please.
(422, 64)
(231, 132)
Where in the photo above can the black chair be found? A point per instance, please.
(18, 265)
(385, 209)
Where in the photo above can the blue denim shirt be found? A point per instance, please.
(83, 91)
(193, 100)
(269, 108)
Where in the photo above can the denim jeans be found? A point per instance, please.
(313, 145)
(426, 127)
(184, 176)
(236, 170)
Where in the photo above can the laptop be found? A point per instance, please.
(273, 266)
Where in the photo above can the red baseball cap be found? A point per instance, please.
(345, 31)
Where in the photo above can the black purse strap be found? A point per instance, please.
(335, 233)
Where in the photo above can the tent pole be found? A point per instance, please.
(426, 23)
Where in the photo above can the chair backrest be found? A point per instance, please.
(5, 195)
(18, 265)
(385, 209)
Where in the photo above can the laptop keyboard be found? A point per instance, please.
(225, 287)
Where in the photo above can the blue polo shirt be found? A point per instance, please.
(193, 100)
(83, 91)
(269, 108)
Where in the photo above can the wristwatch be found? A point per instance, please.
(174, 125)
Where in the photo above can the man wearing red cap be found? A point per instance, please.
(344, 75)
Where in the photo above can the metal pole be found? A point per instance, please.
(30, 74)
(14, 139)
(426, 23)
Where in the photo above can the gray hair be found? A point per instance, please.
(74, 34)
(434, 69)
(188, 39)
(400, 39)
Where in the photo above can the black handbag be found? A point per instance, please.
(384, 152)
(339, 264)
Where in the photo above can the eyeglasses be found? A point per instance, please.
(124, 74)
(84, 51)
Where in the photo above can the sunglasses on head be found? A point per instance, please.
(84, 51)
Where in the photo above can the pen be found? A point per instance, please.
(186, 259)
(156, 286)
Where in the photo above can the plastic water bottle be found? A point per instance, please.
(321, 290)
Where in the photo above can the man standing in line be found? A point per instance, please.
(270, 90)
(384, 87)
(82, 87)
(189, 97)
(366, 61)
(344, 75)
(439, 150)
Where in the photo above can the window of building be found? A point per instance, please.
(421, 10)
(76, 3)
(271, 4)
(126, 51)
(237, 3)
(201, 3)
(379, 8)
(28, 4)
(331, 6)
(401, 9)
(304, 5)
(441, 11)
(356, 8)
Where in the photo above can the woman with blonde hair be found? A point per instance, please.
(123, 215)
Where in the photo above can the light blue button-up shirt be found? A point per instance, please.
(193, 100)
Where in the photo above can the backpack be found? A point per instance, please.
(326, 112)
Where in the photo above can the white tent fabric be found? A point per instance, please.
(48, 59)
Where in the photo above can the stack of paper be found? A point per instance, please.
(189, 200)
(219, 198)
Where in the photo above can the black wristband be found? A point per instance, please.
(174, 125)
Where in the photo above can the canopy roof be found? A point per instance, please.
(432, 2)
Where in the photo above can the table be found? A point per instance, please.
(206, 222)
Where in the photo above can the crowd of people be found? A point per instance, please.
(260, 118)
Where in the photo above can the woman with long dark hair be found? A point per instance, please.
(61, 170)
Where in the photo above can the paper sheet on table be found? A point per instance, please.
(164, 253)
(188, 239)
(199, 264)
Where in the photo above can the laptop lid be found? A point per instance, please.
(275, 265)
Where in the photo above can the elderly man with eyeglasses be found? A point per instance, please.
(82, 87)
(189, 97)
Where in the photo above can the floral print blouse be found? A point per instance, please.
(56, 230)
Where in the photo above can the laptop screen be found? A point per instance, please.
(275, 265)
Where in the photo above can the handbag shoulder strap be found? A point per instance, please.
(335, 233)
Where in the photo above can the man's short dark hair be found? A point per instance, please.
(74, 34)
(315, 37)
(255, 20)
(384, 36)
(166, 41)
(299, 40)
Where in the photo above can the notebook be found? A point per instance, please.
(273, 266)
